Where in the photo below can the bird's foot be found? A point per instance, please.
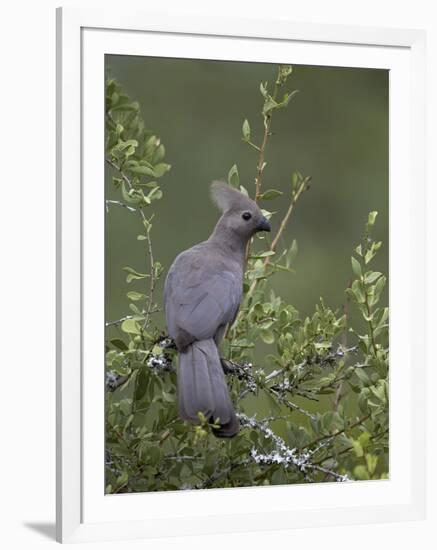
(227, 366)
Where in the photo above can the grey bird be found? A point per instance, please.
(202, 295)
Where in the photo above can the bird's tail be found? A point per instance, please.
(202, 388)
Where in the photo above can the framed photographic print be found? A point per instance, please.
(240, 275)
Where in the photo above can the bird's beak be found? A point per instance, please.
(264, 225)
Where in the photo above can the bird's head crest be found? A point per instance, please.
(227, 198)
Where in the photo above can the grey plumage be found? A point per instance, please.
(202, 296)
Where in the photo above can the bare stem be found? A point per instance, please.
(152, 280)
(122, 204)
(296, 196)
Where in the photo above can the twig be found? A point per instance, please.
(118, 321)
(152, 279)
(292, 406)
(347, 449)
(224, 473)
(338, 432)
(303, 186)
(338, 392)
(119, 203)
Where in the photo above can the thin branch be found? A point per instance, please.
(344, 339)
(338, 432)
(152, 279)
(296, 196)
(122, 204)
(293, 406)
(252, 145)
(347, 449)
(220, 474)
(303, 186)
(118, 321)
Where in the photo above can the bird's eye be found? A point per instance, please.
(246, 216)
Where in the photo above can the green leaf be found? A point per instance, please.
(142, 382)
(371, 276)
(291, 254)
(263, 89)
(360, 472)
(267, 214)
(285, 72)
(379, 286)
(160, 169)
(142, 170)
(154, 455)
(122, 479)
(155, 194)
(116, 342)
(130, 327)
(364, 439)
(274, 407)
(358, 449)
(357, 292)
(246, 130)
(135, 296)
(371, 461)
(110, 356)
(267, 336)
(279, 477)
(287, 98)
(381, 321)
(269, 105)
(356, 267)
(371, 221)
(270, 194)
(129, 196)
(159, 154)
(168, 397)
(371, 253)
(361, 374)
(134, 275)
(265, 254)
(125, 406)
(126, 107)
(233, 177)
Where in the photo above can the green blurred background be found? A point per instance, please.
(335, 129)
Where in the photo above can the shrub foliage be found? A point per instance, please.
(322, 383)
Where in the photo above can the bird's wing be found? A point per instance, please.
(200, 297)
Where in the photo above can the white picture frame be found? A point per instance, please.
(84, 513)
